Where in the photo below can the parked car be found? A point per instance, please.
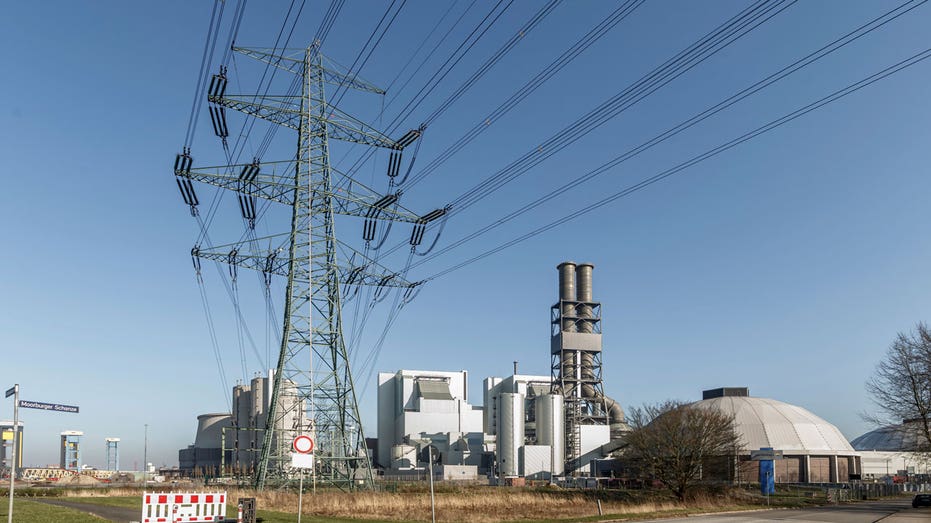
(921, 500)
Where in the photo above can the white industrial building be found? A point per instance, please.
(533, 427)
(418, 408)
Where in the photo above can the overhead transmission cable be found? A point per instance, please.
(353, 72)
(740, 25)
(234, 31)
(209, 42)
(593, 35)
(440, 74)
(836, 95)
(423, 42)
(769, 80)
(687, 59)
(696, 53)
(451, 62)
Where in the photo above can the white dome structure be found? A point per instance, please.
(894, 438)
(768, 423)
(893, 450)
(814, 451)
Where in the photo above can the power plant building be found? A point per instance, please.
(232, 442)
(418, 408)
(530, 426)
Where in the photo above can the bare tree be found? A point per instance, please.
(671, 441)
(901, 386)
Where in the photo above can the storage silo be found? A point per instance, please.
(551, 428)
(510, 433)
(245, 425)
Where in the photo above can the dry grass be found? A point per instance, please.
(470, 504)
(473, 504)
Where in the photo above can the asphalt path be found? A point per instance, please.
(889, 511)
(117, 514)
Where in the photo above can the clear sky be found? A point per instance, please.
(786, 264)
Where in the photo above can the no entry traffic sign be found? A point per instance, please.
(303, 444)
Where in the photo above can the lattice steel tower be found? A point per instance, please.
(313, 390)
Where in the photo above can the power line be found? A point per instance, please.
(464, 47)
(792, 68)
(601, 29)
(693, 55)
(836, 95)
(687, 59)
(212, 33)
(339, 95)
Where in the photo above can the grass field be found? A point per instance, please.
(466, 504)
(25, 511)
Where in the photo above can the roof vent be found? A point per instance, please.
(724, 392)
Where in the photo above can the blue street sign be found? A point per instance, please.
(10, 391)
(47, 406)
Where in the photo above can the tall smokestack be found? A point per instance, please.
(583, 273)
(567, 293)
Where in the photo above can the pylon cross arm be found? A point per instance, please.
(369, 273)
(333, 73)
(337, 124)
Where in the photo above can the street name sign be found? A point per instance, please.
(48, 406)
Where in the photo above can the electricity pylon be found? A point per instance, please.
(313, 391)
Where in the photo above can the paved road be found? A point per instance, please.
(117, 514)
(897, 511)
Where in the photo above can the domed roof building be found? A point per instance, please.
(814, 451)
(892, 450)
(894, 438)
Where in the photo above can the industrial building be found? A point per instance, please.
(206, 456)
(113, 453)
(532, 427)
(893, 451)
(71, 450)
(420, 408)
(562, 425)
(814, 451)
(6, 444)
(230, 443)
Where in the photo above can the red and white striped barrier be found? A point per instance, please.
(178, 507)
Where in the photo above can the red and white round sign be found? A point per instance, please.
(303, 445)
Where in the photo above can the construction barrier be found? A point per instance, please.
(178, 507)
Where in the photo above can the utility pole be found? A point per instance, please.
(14, 454)
(145, 457)
(318, 398)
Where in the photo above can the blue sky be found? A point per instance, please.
(786, 264)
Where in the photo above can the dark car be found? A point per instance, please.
(921, 500)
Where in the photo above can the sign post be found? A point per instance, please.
(767, 456)
(14, 455)
(302, 458)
